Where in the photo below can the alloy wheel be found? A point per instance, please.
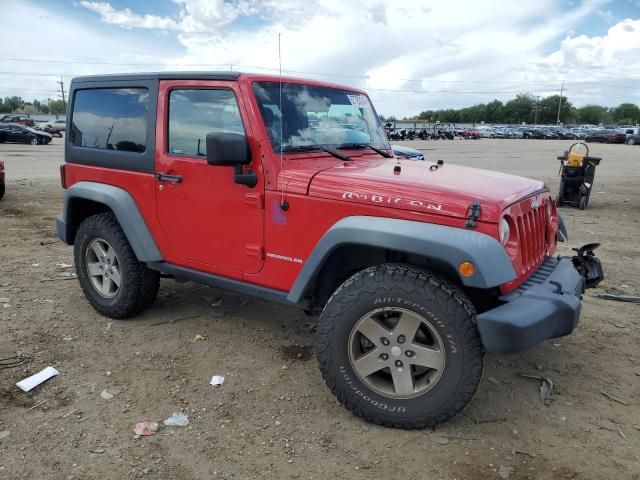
(396, 352)
(103, 267)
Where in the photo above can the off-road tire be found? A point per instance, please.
(421, 292)
(139, 285)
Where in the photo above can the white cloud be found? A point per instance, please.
(466, 52)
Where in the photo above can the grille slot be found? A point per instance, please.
(532, 232)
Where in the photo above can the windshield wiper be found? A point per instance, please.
(354, 146)
(311, 148)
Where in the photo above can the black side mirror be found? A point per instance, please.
(227, 149)
(231, 149)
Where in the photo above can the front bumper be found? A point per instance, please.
(547, 305)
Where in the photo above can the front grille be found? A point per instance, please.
(531, 224)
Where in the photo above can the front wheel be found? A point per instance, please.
(2, 189)
(399, 346)
(113, 280)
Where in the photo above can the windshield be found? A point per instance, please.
(316, 115)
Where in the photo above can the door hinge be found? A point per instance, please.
(254, 251)
(255, 199)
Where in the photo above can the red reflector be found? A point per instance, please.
(63, 176)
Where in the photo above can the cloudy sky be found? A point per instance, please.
(410, 55)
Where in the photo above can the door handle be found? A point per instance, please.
(168, 178)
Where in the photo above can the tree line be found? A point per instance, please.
(35, 107)
(531, 109)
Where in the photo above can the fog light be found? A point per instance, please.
(466, 269)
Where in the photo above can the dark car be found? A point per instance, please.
(606, 136)
(549, 134)
(407, 153)
(20, 119)
(566, 134)
(532, 133)
(631, 140)
(12, 132)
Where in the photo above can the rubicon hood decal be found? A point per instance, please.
(391, 200)
(448, 190)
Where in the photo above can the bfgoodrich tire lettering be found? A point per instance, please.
(138, 285)
(431, 297)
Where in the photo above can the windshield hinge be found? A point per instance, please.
(473, 214)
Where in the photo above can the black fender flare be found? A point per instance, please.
(123, 206)
(449, 245)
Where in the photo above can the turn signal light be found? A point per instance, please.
(466, 269)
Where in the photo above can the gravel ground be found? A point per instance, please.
(274, 417)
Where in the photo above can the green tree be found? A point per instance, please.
(56, 107)
(520, 109)
(548, 109)
(494, 112)
(626, 113)
(592, 114)
(13, 104)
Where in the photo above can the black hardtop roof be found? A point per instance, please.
(177, 75)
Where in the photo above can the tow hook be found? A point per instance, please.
(588, 265)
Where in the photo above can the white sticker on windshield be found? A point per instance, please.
(359, 101)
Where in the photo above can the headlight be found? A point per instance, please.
(505, 231)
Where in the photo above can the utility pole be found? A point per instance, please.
(535, 121)
(64, 102)
(560, 103)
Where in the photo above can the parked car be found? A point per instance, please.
(471, 133)
(532, 133)
(488, 132)
(579, 133)
(20, 119)
(549, 134)
(515, 133)
(606, 136)
(633, 139)
(54, 126)
(415, 272)
(2, 182)
(13, 132)
(565, 133)
(407, 153)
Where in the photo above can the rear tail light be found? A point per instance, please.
(63, 176)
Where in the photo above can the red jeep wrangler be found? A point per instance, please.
(287, 190)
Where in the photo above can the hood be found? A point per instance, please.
(422, 186)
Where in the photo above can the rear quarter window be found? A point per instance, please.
(110, 118)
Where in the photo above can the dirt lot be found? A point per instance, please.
(274, 417)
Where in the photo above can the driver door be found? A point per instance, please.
(208, 220)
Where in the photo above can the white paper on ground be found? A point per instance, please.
(35, 380)
(217, 380)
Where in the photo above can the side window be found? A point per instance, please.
(195, 112)
(110, 118)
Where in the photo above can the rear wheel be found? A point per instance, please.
(399, 346)
(583, 202)
(2, 189)
(34, 141)
(631, 141)
(113, 280)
